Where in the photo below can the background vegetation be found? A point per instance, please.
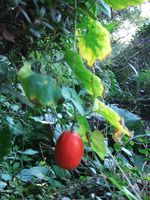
(53, 77)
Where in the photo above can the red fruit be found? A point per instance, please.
(69, 150)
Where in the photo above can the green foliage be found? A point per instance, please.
(92, 83)
(71, 95)
(39, 32)
(98, 144)
(4, 63)
(144, 79)
(121, 4)
(93, 41)
(132, 121)
(6, 139)
(111, 116)
(84, 128)
(40, 89)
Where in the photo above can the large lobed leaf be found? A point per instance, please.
(93, 40)
(121, 4)
(111, 116)
(92, 82)
(40, 89)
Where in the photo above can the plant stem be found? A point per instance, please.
(125, 176)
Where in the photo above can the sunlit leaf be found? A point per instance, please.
(40, 89)
(92, 82)
(93, 40)
(98, 144)
(121, 4)
(110, 115)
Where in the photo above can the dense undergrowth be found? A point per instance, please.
(118, 166)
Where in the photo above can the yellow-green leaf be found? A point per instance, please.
(121, 4)
(92, 82)
(40, 89)
(98, 144)
(111, 116)
(93, 40)
(84, 128)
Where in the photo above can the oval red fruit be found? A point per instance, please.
(69, 150)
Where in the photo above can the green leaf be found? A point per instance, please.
(132, 121)
(26, 15)
(128, 193)
(83, 128)
(90, 8)
(110, 26)
(25, 175)
(6, 139)
(61, 173)
(15, 126)
(48, 25)
(42, 11)
(98, 144)
(110, 115)
(54, 183)
(2, 185)
(39, 172)
(25, 71)
(120, 185)
(126, 151)
(4, 63)
(70, 94)
(40, 89)
(144, 151)
(102, 6)
(35, 33)
(92, 82)
(93, 40)
(6, 177)
(29, 152)
(115, 182)
(121, 4)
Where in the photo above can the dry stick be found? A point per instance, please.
(125, 176)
